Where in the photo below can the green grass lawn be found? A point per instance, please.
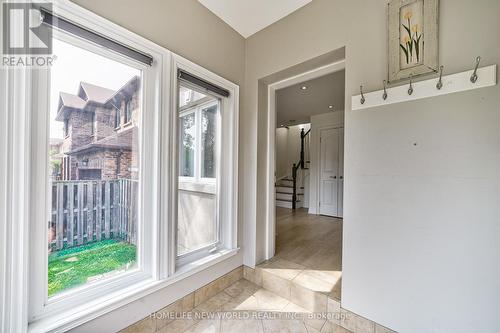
(72, 267)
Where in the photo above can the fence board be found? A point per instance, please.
(79, 221)
(60, 217)
(107, 208)
(98, 219)
(90, 212)
(116, 210)
(71, 215)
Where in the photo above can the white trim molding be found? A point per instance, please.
(271, 139)
(226, 183)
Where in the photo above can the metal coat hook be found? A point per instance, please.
(439, 85)
(363, 100)
(384, 96)
(410, 90)
(474, 77)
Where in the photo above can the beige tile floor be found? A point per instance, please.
(308, 251)
(246, 308)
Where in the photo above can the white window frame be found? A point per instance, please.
(202, 185)
(40, 304)
(197, 110)
(227, 165)
(23, 307)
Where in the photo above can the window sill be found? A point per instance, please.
(79, 315)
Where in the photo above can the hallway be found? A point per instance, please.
(308, 251)
(313, 241)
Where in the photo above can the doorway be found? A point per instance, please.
(272, 178)
(331, 172)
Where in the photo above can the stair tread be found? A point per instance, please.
(332, 294)
(286, 200)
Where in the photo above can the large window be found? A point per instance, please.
(97, 235)
(92, 231)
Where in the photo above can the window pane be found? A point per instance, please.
(208, 137)
(187, 128)
(189, 96)
(197, 225)
(94, 168)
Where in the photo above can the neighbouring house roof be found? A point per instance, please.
(125, 92)
(91, 92)
(91, 95)
(120, 141)
(71, 101)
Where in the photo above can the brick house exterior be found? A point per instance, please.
(100, 132)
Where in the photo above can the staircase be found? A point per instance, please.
(284, 194)
(290, 190)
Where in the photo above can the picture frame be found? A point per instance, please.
(413, 38)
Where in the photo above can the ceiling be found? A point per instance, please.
(249, 16)
(296, 106)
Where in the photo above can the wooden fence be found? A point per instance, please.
(87, 211)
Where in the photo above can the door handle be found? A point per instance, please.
(334, 177)
(341, 177)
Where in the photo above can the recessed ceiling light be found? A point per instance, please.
(330, 106)
(303, 87)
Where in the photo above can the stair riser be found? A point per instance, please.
(285, 182)
(288, 289)
(283, 196)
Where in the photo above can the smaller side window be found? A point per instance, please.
(66, 127)
(94, 124)
(117, 117)
(128, 111)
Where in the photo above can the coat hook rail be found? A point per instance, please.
(410, 90)
(474, 76)
(439, 85)
(446, 84)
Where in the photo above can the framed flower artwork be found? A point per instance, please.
(413, 38)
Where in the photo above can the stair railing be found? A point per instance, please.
(300, 164)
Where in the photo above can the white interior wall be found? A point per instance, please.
(420, 221)
(282, 168)
(319, 122)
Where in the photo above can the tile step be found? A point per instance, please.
(290, 281)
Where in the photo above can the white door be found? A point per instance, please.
(329, 176)
(340, 194)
